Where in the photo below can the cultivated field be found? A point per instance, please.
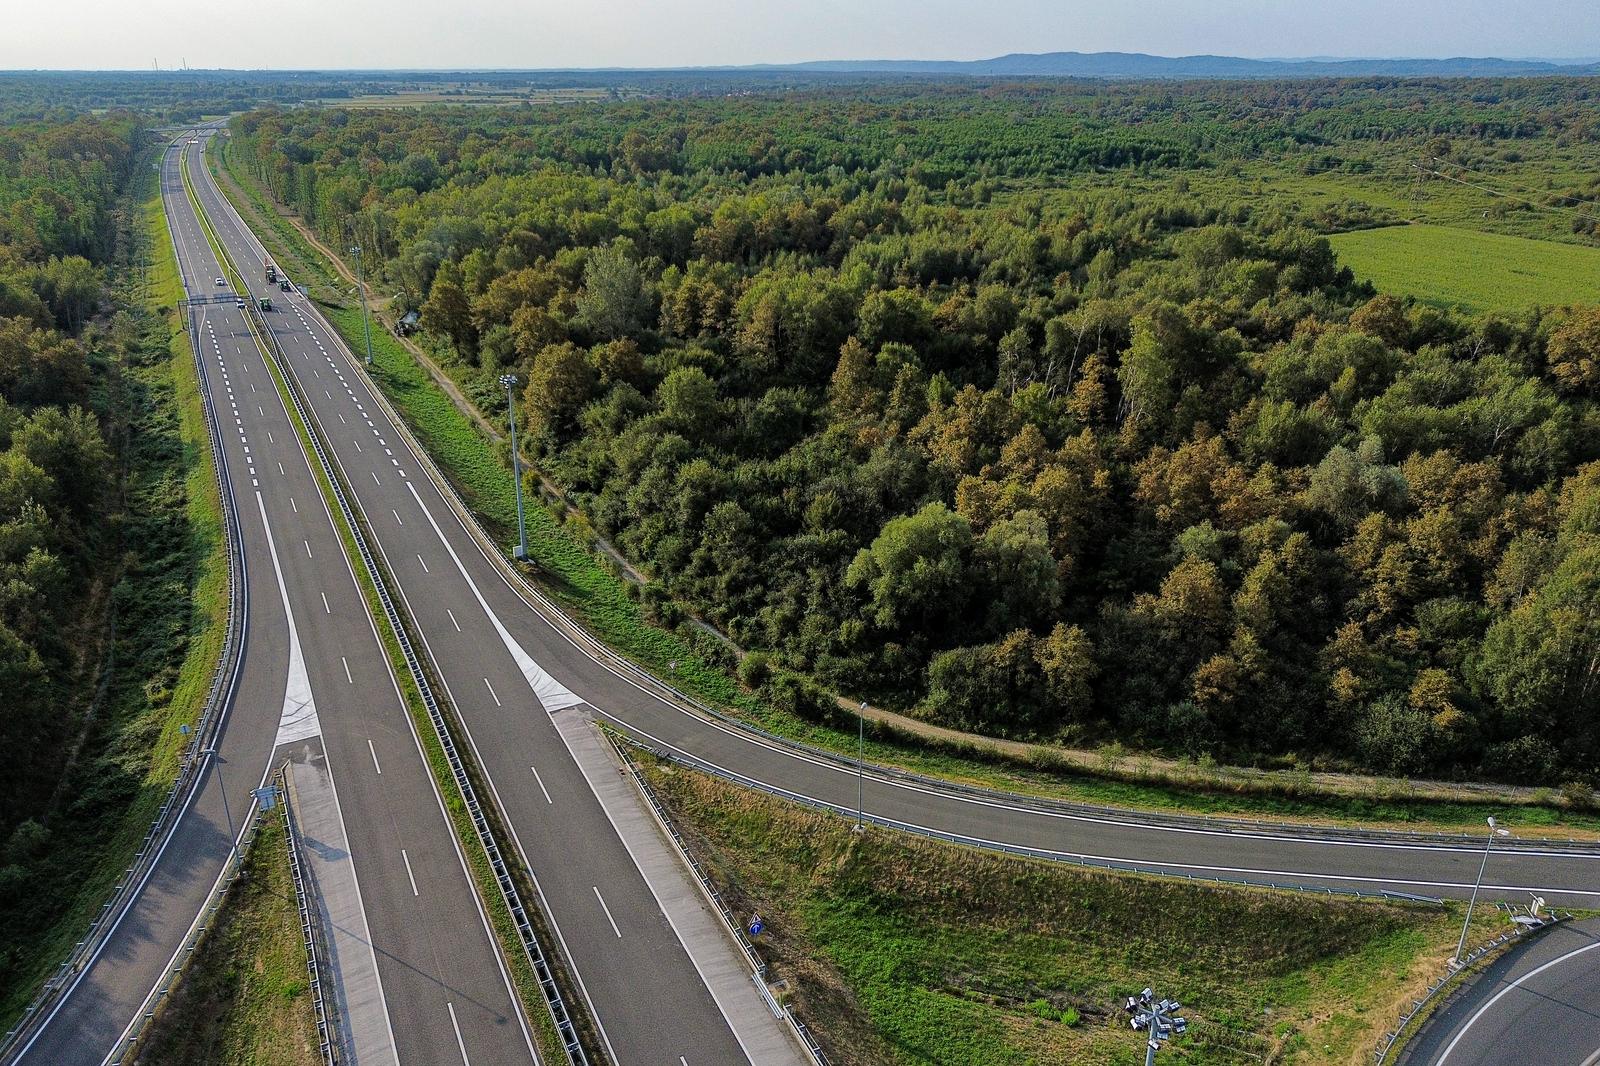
(1470, 270)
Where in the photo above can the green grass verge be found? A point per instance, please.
(899, 950)
(523, 977)
(245, 998)
(1474, 271)
(171, 609)
(585, 586)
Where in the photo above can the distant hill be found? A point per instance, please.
(1140, 65)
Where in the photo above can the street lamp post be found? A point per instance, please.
(361, 283)
(510, 383)
(1158, 1018)
(233, 840)
(1461, 945)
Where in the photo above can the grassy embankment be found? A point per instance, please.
(170, 609)
(902, 950)
(1473, 271)
(586, 586)
(245, 999)
(500, 919)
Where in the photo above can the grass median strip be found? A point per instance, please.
(245, 998)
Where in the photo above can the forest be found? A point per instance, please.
(866, 380)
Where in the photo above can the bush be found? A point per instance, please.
(754, 669)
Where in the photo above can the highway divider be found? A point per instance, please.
(219, 697)
(311, 931)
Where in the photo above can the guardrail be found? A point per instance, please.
(186, 951)
(332, 1046)
(1420, 1008)
(758, 967)
(1048, 855)
(510, 895)
(218, 696)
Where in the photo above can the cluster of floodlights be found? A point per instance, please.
(1157, 1017)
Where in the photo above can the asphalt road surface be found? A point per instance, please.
(1537, 1006)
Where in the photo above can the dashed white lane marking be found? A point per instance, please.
(325, 608)
(341, 418)
(347, 676)
(398, 520)
(412, 878)
(603, 907)
(357, 444)
(375, 477)
(492, 696)
(424, 563)
(293, 505)
(374, 751)
(539, 779)
(280, 471)
(307, 543)
(453, 621)
(269, 437)
(462, 1044)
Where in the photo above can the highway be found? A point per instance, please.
(514, 668)
(643, 989)
(1538, 1003)
(315, 684)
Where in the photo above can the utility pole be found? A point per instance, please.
(233, 839)
(361, 283)
(1158, 1018)
(510, 383)
(1461, 945)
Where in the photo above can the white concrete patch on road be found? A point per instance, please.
(299, 718)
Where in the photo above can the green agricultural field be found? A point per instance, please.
(1469, 270)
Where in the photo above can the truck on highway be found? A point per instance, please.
(266, 303)
(272, 272)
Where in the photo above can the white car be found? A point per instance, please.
(221, 281)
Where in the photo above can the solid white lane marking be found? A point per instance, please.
(453, 621)
(460, 1043)
(374, 751)
(1481, 1011)
(539, 779)
(299, 718)
(552, 694)
(347, 676)
(491, 692)
(603, 907)
(424, 563)
(409, 875)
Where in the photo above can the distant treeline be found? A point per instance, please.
(1092, 466)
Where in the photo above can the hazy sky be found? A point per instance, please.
(573, 33)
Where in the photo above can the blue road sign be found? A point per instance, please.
(757, 925)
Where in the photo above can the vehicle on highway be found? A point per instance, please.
(285, 286)
(222, 281)
(272, 272)
(239, 304)
(266, 303)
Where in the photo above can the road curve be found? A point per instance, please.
(1540, 1003)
